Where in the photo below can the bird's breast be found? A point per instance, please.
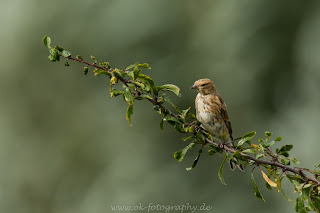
(209, 116)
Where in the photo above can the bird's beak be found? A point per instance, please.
(194, 87)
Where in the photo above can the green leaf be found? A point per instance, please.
(171, 120)
(65, 53)
(131, 75)
(215, 149)
(54, 55)
(129, 113)
(128, 96)
(141, 85)
(132, 66)
(145, 65)
(284, 161)
(194, 163)
(187, 138)
(118, 73)
(66, 63)
(285, 196)
(169, 87)
(256, 188)
(79, 57)
(172, 104)
(146, 79)
(261, 148)
(316, 202)
(211, 152)
(185, 112)
(161, 124)
(47, 41)
(286, 154)
(268, 134)
(114, 93)
(100, 72)
(246, 138)
(179, 155)
(143, 96)
(286, 148)
(299, 205)
(268, 186)
(136, 72)
(254, 151)
(295, 161)
(278, 138)
(85, 70)
(220, 173)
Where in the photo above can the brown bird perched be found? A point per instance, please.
(212, 113)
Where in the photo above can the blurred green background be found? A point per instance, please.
(66, 145)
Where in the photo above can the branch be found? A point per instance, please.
(138, 86)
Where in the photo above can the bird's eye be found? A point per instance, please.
(203, 85)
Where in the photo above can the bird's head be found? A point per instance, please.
(204, 86)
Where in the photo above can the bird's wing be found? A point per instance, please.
(225, 116)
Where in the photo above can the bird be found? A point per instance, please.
(211, 112)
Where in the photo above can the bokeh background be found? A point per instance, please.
(65, 145)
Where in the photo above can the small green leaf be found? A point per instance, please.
(299, 205)
(187, 138)
(161, 124)
(172, 104)
(278, 138)
(316, 202)
(131, 75)
(65, 53)
(146, 79)
(185, 112)
(285, 196)
(220, 173)
(66, 63)
(286, 148)
(118, 73)
(145, 65)
(215, 149)
(132, 66)
(85, 70)
(295, 161)
(128, 96)
(284, 161)
(143, 96)
(141, 85)
(179, 155)
(261, 148)
(169, 87)
(47, 41)
(79, 57)
(194, 163)
(129, 113)
(256, 189)
(254, 151)
(268, 186)
(136, 72)
(246, 138)
(115, 93)
(54, 55)
(100, 72)
(286, 154)
(211, 152)
(268, 134)
(93, 57)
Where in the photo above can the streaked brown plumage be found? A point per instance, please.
(212, 111)
(213, 115)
